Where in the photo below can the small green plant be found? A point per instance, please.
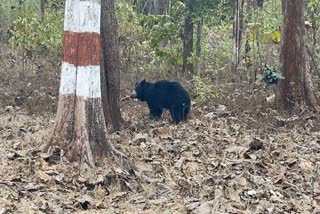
(203, 91)
(271, 75)
(30, 33)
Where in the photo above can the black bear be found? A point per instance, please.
(164, 94)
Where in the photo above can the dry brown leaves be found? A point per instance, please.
(219, 161)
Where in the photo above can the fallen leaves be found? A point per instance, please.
(213, 163)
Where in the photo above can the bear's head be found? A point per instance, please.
(140, 90)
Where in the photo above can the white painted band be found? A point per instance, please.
(88, 81)
(68, 79)
(82, 16)
(82, 80)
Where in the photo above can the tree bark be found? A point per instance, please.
(236, 34)
(111, 65)
(296, 89)
(80, 125)
(187, 67)
(198, 46)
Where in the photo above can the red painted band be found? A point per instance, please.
(81, 49)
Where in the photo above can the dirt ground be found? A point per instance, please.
(231, 157)
(237, 155)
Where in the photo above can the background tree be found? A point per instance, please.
(110, 65)
(296, 88)
(42, 6)
(236, 33)
(198, 45)
(195, 11)
(187, 38)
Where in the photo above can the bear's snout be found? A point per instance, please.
(133, 95)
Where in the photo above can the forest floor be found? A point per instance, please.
(239, 156)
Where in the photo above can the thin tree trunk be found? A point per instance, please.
(42, 2)
(187, 66)
(236, 34)
(111, 64)
(241, 23)
(314, 29)
(198, 46)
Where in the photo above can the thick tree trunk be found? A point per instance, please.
(198, 46)
(187, 67)
(236, 34)
(111, 64)
(296, 87)
(80, 125)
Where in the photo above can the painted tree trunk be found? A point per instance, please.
(80, 125)
(111, 58)
(296, 88)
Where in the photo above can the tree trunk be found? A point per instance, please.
(241, 23)
(314, 30)
(187, 67)
(283, 7)
(42, 2)
(198, 46)
(296, 88)
(259, 3)
(111, 65)
(152, 7)
(80, 128)
(236, 34)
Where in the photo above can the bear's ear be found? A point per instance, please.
(143, 82)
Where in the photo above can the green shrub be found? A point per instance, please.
(203, 91)
(30, 34)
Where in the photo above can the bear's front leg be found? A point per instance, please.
(155, 111)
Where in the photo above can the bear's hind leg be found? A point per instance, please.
(177, 114)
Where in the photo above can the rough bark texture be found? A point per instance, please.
(292, 55)
(111, 64)
(296, 87)
(187, 44)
